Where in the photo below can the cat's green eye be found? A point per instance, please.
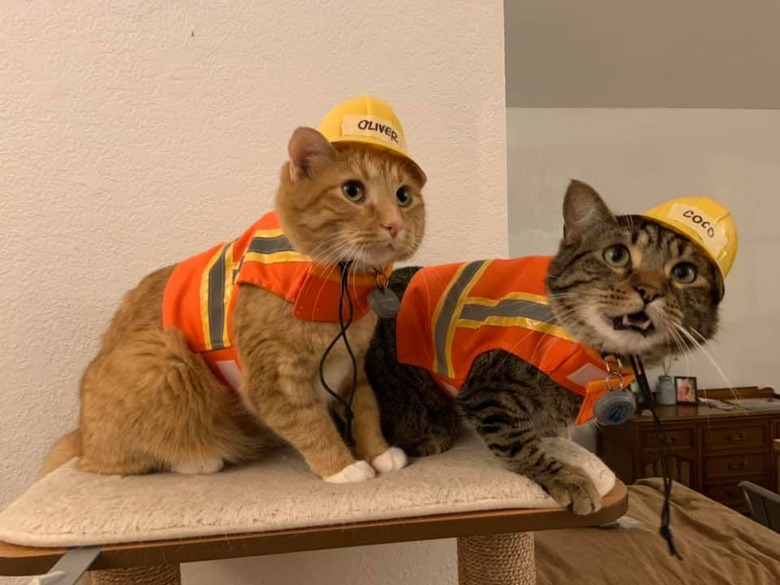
(354, 191)
(403, 197)
(617, 256)
(684, 272)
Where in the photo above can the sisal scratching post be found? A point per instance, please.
(497, 559)
(154, 575)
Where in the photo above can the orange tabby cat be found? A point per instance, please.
(149, 402)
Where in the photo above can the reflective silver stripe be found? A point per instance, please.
(270, 245)
(442, 324)
(216, 300)
(262, 245)
(508, 308)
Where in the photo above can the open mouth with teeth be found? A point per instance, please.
(638, 322)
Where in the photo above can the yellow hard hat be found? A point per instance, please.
(368, 120)
(706, 222)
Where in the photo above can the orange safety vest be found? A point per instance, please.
(201, 293)
(451, 314)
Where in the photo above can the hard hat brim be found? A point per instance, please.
(704, 252)
(383, 146)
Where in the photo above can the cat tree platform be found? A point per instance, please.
(145, 526)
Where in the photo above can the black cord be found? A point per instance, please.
(663, 441)
(344, 324)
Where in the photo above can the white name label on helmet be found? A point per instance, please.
(373, 127)
(712, 237)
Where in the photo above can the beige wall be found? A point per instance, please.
(135, 133)
(637, 158)
(664, 53)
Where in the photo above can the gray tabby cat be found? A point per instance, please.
(622, 285)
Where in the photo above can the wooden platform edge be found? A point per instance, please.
(20, 560)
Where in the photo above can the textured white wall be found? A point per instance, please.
(133, 133)
(637, 158)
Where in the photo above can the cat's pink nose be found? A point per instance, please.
(394, 227)
(647, 293)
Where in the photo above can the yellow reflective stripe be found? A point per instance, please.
(437, 313)
(230, 266)
(204, 299)
(275, 258)
(526, 323)
(513, 296)
(458, 308)
(273, 233)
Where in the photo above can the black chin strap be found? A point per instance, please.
(663, 441)
(344, 323)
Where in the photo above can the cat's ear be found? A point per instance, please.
(583, 209)
(308, 150)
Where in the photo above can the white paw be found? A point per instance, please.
(198, 467)
(392, 459)
(358, 471)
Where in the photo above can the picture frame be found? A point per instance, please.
(686, 389)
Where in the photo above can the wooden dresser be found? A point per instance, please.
(712, 450)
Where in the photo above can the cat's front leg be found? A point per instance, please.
(503, 420)
(289, 404)
(513, 439)
(370, 444)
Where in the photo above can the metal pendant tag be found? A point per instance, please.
(614, 408)
(384, 302)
